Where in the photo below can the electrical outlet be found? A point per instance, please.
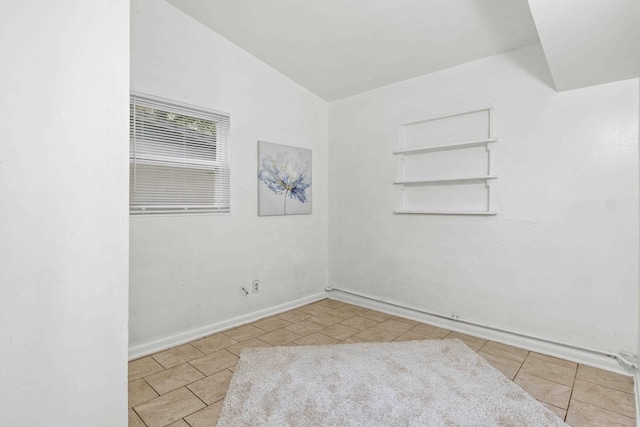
(244, 292)
(256, 286)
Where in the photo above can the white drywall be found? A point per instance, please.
(64, 228)
(560, 260)
(186, 270)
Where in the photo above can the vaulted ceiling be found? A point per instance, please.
(338, 48)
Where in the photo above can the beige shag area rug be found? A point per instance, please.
(415, 383)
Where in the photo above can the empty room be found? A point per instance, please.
(345, 213)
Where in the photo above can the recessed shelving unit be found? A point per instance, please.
(435, 181)
(447, 147)
(438, 175)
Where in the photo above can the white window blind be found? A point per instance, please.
(179, 157)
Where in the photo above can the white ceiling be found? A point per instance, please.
(338, 48)
(589, 42)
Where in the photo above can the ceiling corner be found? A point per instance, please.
(589, 42)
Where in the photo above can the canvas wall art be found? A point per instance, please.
(284, 179)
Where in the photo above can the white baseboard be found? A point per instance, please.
(146, 349)
(561, 350)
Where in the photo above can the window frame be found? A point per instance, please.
(173, 147)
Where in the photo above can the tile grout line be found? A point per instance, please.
(573, 388)
(606, 409)
(605, 386)
(189, 363)
(198, 397)
(598, 406)
(545, 379)
(139, 416)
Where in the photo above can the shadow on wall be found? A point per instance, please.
(534, 63)
(519, 18)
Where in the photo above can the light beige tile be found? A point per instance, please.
(545, 377)
(289, 344)
(430, 331)
(173, 378)
(346, 312)
(549, 371)
(504, 350)
(582, 414)
(552, 359)
(314, 309)
(331, 303)
(215, 362)
(544, 390)
(179, 423)
(143, 367)
(304, 328)
(507, 366)
(360, 323)
(316, 339)
(213, 343)
(376, 315)
(212, 388)
(342, 315)
(560, 413)
(279, 337)
(353, 340)
(405, 320)
(411, 336)
(339, 332)
(346, 304)
(134, 419)
(393, 325)
(177, 355)
(326, 319)
(255, 342)
(271, 324)
(244, 333)
(294, 316)
(605, 378)
(376, 334)
(207, 417)
(474, 343)
(140, 392)
(604, 397)
(169, 407)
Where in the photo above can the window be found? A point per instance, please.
(179, 157)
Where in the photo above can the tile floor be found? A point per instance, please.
(185, 386)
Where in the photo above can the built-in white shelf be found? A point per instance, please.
(434, 181)
(417, 212)
(418, 154)
(447, 147)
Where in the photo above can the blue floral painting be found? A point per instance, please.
(284, 180)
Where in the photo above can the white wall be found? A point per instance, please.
(186, 270)
(64, 228)
(558, 261)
